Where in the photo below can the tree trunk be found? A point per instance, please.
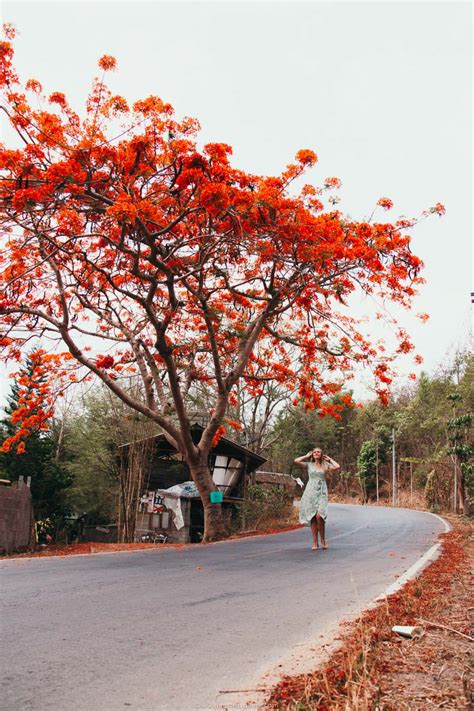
(214, 529)
(462, 494)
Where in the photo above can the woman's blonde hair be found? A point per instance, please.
(312, 455)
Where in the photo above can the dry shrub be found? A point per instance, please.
(266, 507)
(439, 488)
(405, 500)
(337, 498)
(408, 500)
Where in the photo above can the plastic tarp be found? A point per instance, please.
(172, 499)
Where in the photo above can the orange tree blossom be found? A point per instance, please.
(127, 250)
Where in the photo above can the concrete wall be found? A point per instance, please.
(16, 517)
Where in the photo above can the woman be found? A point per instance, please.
(314, 502)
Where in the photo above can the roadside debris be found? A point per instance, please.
(410, 632)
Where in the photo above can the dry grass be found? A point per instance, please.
(335, 498)
(412, 501)
(405, 500)
(376, 670)
(291, 519)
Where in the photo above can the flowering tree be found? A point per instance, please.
(130, 251)
(27, 413)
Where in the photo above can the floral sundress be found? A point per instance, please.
(315, 496)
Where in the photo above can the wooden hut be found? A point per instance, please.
(230, 464)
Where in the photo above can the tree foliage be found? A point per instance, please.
(371, 455)
(461, 447)
(92, 459)
(96, 431)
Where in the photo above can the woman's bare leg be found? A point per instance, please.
(322, 530)
(314, 531)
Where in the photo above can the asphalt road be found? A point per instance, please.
(169, 628)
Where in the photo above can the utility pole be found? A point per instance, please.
(455, 457)
(377, 467)
(394, 471)
(455, 492)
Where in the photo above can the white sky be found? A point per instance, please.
(380, 90)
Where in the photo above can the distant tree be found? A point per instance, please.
(422, 417)
(371, 455)
(106, 485)
(37, 455)
(91, 459)
(461, 447)
(256, 414)
(366, 467)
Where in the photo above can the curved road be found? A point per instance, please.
(168, 629)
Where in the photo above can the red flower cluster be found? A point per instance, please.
(108, 63)
(105, 362)
(386, 203)
(306, 157)
(332, 183)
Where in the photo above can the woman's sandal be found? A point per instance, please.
(324, 546)
(314, 547)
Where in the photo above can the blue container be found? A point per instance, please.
(216, 497)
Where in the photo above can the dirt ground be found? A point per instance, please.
(56, 549)
(376, 669)
(59, 549)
